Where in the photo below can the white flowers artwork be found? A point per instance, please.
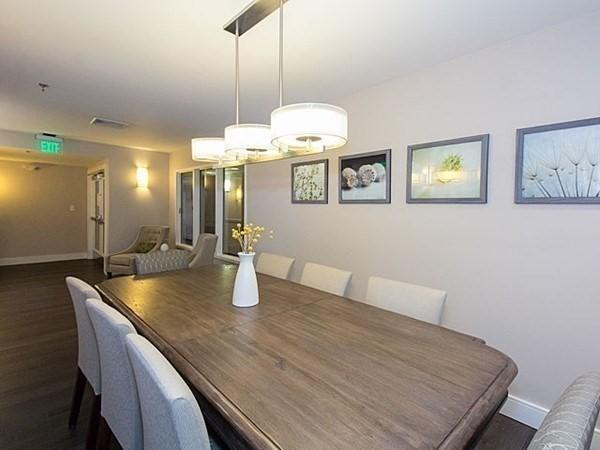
(451, 171)
(309, 181)
(559, 163)
(365, 178)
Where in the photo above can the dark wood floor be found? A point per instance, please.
(38, 360)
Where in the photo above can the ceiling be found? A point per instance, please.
(166, 67)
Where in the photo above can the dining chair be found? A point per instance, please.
(171, 416)
(274, 265)
(120, 406)
(88, 359)
(325, 278)
(418, 302)
(571, 421)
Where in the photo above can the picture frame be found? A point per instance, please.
(448, 171)
(365, 177)
(558, 163)
(310, 182)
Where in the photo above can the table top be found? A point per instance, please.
(305, 369)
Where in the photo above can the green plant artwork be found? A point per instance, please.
(453, 163)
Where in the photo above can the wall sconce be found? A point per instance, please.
(142, 177)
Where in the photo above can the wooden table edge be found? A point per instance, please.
(486, 406)
(243, 425)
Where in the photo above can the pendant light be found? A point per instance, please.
(305, 126)
(246, 140)
(210, 150)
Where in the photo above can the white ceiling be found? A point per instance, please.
(167, 67)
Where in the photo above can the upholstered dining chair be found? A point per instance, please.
(120, 408)
(88, 359)
(418, 302)
(274, 265)
(171, 416)
(571, 421)
(203, 252)
(325, 278)
(149, 239)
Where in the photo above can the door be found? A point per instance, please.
(98, 212)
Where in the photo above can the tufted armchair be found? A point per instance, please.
(149, 239)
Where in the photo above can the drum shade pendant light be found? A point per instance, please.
(210, 150)
(305, 126)
(246, 140)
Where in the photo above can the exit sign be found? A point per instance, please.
(49, 144)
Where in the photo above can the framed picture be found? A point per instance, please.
(452, 171)
(310, 181)
(366, 177)
(559, 163)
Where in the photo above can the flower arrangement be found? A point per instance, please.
(248, 236)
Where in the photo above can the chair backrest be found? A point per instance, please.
(120, 405)
(419, 302)
(571, 420)
(204, 251)
(150, 237)
(325, 278)
(88, 358)
(171, 416)
(274, 265)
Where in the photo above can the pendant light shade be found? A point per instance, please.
(210, 150)
(309, 126)
(245, 138)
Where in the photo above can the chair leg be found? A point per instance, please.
(80, 382)
(92, 433)
(104, 435)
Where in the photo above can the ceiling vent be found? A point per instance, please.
(100, 121)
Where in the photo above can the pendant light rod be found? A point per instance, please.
(237, 73)
(280, 53)
(252, 14)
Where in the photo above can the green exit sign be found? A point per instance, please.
(49, 144)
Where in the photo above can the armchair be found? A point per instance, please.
(149, 239)
(204, 250)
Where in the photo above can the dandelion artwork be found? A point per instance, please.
(559, 163)
(452, 171)
(365, 178)
(309, 181)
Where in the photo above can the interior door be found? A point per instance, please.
(98, 217)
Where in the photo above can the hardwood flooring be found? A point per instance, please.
(38, 361)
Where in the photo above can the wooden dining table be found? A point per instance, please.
(305, 369)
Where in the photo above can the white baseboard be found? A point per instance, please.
(532, 415)
(42, 259)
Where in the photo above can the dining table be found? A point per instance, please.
(305, 369)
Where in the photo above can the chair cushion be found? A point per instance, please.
(144, 247)
(123, 259)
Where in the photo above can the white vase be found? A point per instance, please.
(245, 290)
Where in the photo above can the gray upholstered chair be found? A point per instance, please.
(325, 278)
(120, 407)
(415, 301)
(170, 414)
(274, 265)
(88, 359)
(570, 423)
(149, 239)
(203, 252)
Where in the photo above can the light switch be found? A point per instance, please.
(72, 208)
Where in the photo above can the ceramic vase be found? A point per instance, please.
(245, 289)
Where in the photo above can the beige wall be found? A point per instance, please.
(523, 277)
(35, 219)
(130, 207)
